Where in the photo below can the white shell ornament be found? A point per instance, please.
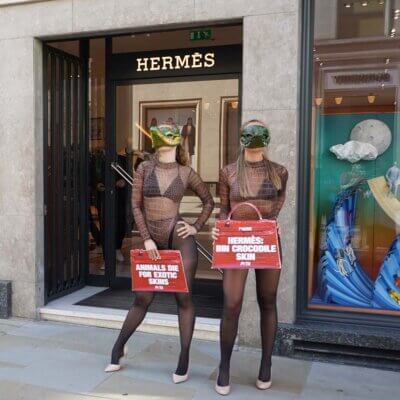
(372, 131)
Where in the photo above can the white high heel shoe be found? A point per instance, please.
(222, 390)
(263, 385)
(117, 367)
(179, 378)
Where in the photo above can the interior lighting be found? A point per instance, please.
(338, 100)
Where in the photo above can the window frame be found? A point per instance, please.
(303, 312)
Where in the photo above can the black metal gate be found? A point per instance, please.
(65, 172)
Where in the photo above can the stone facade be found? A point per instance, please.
(270, 87)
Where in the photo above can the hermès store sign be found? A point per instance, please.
(176, 62)
(186, 61)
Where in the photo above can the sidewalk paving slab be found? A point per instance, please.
(41, 360)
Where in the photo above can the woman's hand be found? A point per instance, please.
(278, 229)
(151, 248)
(215, 233)
(185, 229)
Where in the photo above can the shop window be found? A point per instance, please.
(354, 259)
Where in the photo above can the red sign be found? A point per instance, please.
(163, 275)
(246, 244)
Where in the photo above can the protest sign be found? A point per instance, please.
(246, 244)
(163, 275)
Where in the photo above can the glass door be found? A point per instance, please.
(206, 112)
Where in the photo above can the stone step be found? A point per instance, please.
(65, 310)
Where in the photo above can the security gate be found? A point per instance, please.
(65, 172)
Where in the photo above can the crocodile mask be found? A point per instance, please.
(253, 136)
(165, 135)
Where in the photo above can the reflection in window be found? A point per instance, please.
(355, 220)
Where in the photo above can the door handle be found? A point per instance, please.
(119, 170)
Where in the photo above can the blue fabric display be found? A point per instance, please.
(341, 279)
(386, 293)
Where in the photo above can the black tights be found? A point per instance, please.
(186, 312)
(234, 283)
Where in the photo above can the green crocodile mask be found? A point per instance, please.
(254, 136)
(165, 135)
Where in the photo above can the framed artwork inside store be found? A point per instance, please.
(349, 171)
(229, 129)
(184, 114)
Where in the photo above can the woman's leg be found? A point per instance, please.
(135, 316)
(233, 285)
(186, 311)
(267, 286)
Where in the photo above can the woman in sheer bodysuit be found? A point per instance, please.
(158, 188)
(257, 180)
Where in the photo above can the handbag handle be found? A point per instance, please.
(245, 203)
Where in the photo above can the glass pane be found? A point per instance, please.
(96, 156)
(206, 113)
(355, 221)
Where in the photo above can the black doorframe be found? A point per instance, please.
(303, 313)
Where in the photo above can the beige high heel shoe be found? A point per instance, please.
(263, 385)
(179, 378)
(222, 390)
(117, 367)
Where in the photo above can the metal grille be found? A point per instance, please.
(64, 155)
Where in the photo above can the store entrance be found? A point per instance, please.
(132, 83)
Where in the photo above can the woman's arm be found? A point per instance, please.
(196, 184)
(137, 201)
(280, 200)
(224, 195)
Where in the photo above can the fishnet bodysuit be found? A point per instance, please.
(158, 189)
(269, 201)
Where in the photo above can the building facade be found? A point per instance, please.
(82, 79)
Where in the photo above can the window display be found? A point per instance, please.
(355, 219)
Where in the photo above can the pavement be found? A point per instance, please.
(41, 360)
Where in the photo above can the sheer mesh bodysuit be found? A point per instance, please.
(269, 201)
(157, 191)
(266, 198)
